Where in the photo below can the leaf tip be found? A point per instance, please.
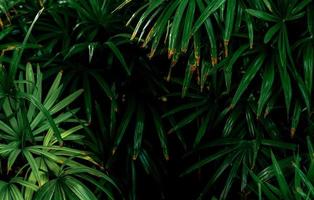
(292, 132)
(114, 149)
(170, 53)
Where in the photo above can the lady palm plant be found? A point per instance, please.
(293, 180)
(234, 19)
(238, 112)
(244, 45)
(30, 134)
(29, 144)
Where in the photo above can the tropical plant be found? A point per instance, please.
(31, 129)
(295, 184)
(228, 115)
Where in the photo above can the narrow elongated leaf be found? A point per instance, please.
(286, 85)
(231, 122)
(87, 98)
(295, 119)
(202, 129)
(247, 78)
(231, 177)
(304, 179)
(151, 7)
(228, 70)
(185, 121)
(210, 9)
(66, 101)
(18, 53)
(79, 189)
(12, 158)
(284, 187)
(268, 79)
(119, 55)
(188, 23)
(271, 32)
(229, 22)
(139, 129)
(189, 71)
(263, 15)
(33, 164)
(263, 188)
(103, 84)
(160, 27)
(210, 33)
(300, 6)
(208, 159)
(161, 133)
(175, 28)
(124, 124)
(184, 107)
(308, 63)
(44, 111)
(249, 24)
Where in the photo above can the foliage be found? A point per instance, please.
(105, 115)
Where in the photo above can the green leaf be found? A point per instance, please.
(250, 121)
(249, 24)
(210, 33)
(308, 63)
(139, 128)
(231, 177)
(271, 32)
(79, 189)
(247, 78)
(185, 121)
(52, 94)
(18, 53)
(33, 164)
(190, 69)
(66, 101)
(266, 89)
(160, 27)
(124, 124)
(184, 107)
(161, 133)
(228, 69)
(103, 84)
(188, 23)
(263, 187)
(263, 15)
(44, 111)
(47, 190)
(101, 187)
(231, 122)
(12, 158)
(87, 98)
(310, 21)
(300, 6)
(151, 7)
(295, 118)
(209, 159)
(202, 129)
(210, 9)
(6, 31)
(24, 183)
(304, 179)
(119, 55)
(284, 187)
(175, 28)
(286, 85)
(229, 22)
(268, 4)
